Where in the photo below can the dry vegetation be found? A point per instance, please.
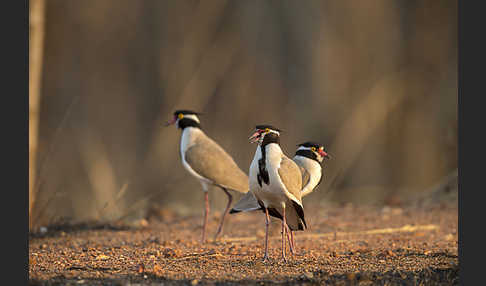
(376, 82)
(36, 49)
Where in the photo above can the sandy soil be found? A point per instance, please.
(344, 245)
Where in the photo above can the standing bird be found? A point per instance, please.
(276, 182)
(208, 162)
(308, 157)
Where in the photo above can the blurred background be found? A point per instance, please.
(374, 81)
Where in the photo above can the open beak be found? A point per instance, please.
(170, 122)
(254, 138)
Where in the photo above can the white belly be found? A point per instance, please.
(271, 195)
(313, 168)
(252, 174)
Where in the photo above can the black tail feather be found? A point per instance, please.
(273, 212)
(300, 212)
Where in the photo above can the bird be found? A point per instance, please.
(276, 182)
(208, 162)
(308, 156)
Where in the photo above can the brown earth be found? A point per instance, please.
(344, 245)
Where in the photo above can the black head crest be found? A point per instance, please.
(265, 126)
(186, 112)
(309, 144)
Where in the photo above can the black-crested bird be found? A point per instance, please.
(308, 156)
(204, 159)
(276, 182)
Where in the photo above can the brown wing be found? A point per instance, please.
(305, 176)
(209, 160)
(291, 176)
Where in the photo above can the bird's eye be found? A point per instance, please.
(180, 115)
(313, 149)
(267, 130)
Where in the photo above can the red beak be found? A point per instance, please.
(172, 121)
(255, 136)
(324, 154)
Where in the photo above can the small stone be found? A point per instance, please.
(141, 268)
(158, 269)
(143, 222)
(366, 282)
(351, 276)
(308, 275)
(450, 236)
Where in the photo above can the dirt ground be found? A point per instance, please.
(344, 245)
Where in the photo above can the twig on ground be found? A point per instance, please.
(405, 228)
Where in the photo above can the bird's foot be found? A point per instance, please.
(292, 251)
(217, 234)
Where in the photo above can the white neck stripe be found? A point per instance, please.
(190, 116)
(274, 131)
(303, 148)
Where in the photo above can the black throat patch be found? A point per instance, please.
(188, 122)
(262, 169)
(311, 155)
(308, 154)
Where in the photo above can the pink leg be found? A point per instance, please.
(284, 244)
(293, 242)
(290, 238)
(206, 213)
(230, 199)
(267, 223)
